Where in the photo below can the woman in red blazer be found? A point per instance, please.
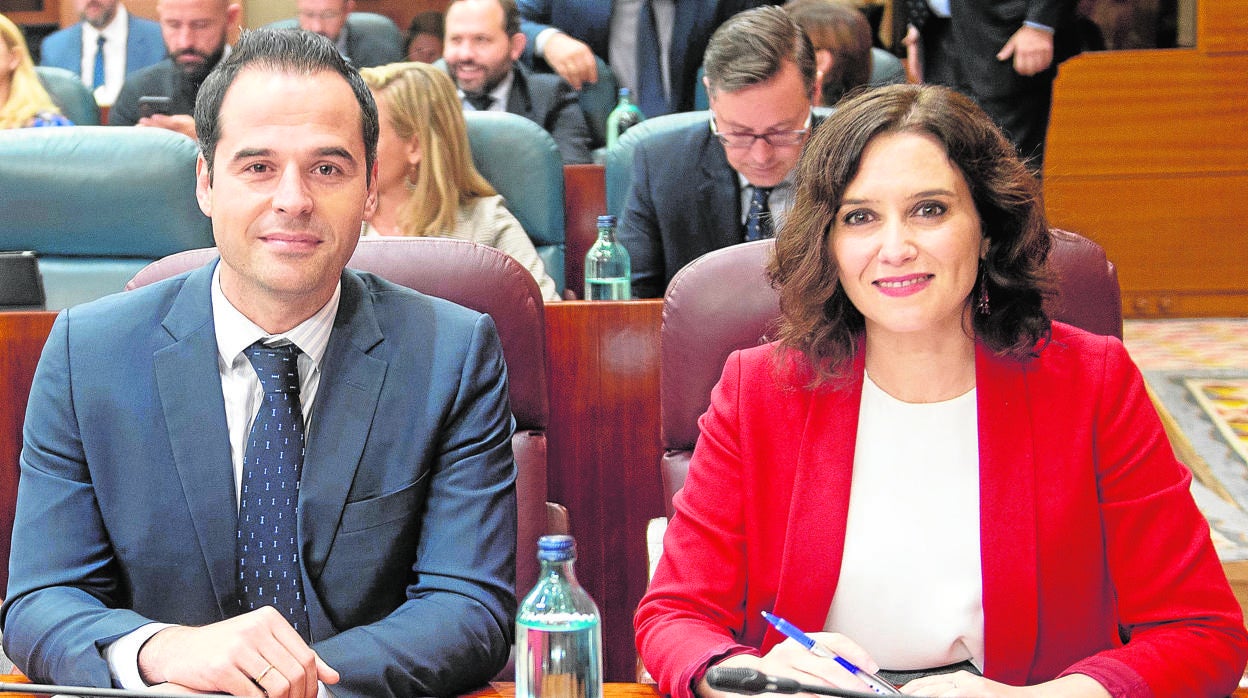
(919, 404)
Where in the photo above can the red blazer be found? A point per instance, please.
(1088, 531)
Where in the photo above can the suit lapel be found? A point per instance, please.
(819, 506)
(1008, 511)
(518, 101)
(346, 402)
(719, 197)
(189, 386)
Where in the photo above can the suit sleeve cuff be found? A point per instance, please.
(539, 42)
(122, 656)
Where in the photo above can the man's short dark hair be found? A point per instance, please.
(751, 48)
(431, 22)
(280, 50)
(511, 15)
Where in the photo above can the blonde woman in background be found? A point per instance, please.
(23, 101)
(427, 184)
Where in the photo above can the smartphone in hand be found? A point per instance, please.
(150, 105)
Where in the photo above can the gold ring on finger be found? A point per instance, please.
(261, 675)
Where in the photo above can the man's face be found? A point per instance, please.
(478, 51)
(195, 33)
(288, 192)
(97, 13)
(324, 17)
(779, 104)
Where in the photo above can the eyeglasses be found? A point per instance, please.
(776, 139)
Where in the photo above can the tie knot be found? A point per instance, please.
(761, 195)
(277, 367)
(99, 41)
(481, 102)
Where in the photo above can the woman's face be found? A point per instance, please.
(397, 159)
(8, 62)
(907, 239)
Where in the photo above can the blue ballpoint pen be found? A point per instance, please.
(874, 682)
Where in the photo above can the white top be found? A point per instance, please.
(116, 33)
(910, 590)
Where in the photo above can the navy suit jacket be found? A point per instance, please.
(590, 22)
(550, 102)
(144, 46)
(126, 508)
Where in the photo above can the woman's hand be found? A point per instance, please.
(963, 684)
(790, 660)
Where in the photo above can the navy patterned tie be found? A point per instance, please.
(758, 218)
(98, 77)
(268, 534)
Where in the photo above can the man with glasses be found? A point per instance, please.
(707, 186)
(332, 20)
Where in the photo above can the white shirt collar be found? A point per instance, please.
(235, 332)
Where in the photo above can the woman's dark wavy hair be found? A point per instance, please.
(817, 318)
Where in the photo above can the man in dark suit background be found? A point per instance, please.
(195, 34)
(654, 47)
(1004, 55)
(482, 47)
(134, 559)
(332, 19)
(703, 187)
(104, 46)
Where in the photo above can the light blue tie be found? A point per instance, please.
(98, 79)
(268, 532)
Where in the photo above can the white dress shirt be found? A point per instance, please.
(116, 33)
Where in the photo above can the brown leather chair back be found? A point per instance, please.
(722, 302)
(488, 281)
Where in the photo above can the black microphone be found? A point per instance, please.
(752, 682)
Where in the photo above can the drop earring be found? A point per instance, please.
(981, 303)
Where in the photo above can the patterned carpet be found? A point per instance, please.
(1197, 371)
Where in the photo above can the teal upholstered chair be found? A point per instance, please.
(522, 161)
(886, 69)
(96, 204)
(74, 98)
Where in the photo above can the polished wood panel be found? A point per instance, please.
(603, 369)
(584, 199)
(21, 341)
(1146, 155)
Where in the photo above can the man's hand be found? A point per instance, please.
(914, 55)
(182, 123)
(571, 59)
(255, 654)
(1031, 48)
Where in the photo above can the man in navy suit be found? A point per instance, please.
(654, 47)
(136, 451)
(123, 43)
(483, 44)
(705, 186)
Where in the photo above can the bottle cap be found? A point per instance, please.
(605, 221)
(555, 547)
(625, 92)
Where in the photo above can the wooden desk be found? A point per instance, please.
(609, 690)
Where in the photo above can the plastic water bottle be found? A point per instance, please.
(558, 630)
(607, 267)
(625, 116)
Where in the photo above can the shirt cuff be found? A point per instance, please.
(1037, 25)
(123, 655)
(539, 42)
